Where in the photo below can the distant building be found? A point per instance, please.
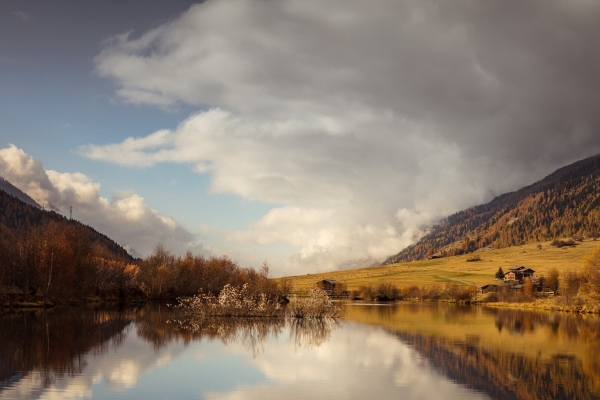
(518, 274)
(328, 285)
(488, 288)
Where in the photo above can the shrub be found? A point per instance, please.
(387, 291)
(317, 305)
(562, 243)
(367, 292)
(591, 273)
(528, 288)
(231, 302)
(412, 292)
(553, 279)
(460, 293)
(433, 293)
(569, 285)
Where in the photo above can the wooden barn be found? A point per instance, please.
(328, 285)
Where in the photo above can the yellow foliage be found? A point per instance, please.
(591, 273)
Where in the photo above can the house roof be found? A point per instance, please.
(488, 285)
(521, 269)
(332, 281)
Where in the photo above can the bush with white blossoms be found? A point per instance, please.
(316, 305)
(231, 302)
(240, 302)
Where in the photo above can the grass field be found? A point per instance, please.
(456, 269)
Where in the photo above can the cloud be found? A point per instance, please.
(392, 369)
(127, 219)
(379, 118)
(119, 371)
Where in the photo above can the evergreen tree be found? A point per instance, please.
(500, 274)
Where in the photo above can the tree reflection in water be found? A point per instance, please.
(509, 354)
(311, 332)
(254, 332)
(525, 355)
(53, 341)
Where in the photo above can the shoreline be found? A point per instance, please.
(33, 304)
(539, 304)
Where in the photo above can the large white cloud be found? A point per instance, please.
(377, 118)
(339, 193)
(127, 220)
(356, 362)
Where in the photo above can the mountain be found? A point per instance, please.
(18, 216)
(11, 189)
(564, 204)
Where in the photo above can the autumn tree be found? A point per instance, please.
(30, 253)
(552, 280)
(367, 292)
(154, 271)
(528, 288)
(285, 286)
(570, 284)
(591, 273)
(9, 260)
(388, 291)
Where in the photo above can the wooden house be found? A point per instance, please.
(518, 274)
(328, 285)
(488, 288)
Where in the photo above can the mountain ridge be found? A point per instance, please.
(16, 192)
(564, 203)
(19, 217)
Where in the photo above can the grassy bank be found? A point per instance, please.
(456, 269)
(548, 305)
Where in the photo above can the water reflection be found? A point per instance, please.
(254, 332)
(412, 351)
(52, 343)
(509, 354)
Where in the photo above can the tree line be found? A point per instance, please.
(60, 262)
(45, 256)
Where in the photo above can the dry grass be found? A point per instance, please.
(457, 269)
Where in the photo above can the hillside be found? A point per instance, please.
(18, 218)
(9, 188)
(564, 204)
(456, 269)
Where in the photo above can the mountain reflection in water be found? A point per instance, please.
(507, 353)
(411, 351)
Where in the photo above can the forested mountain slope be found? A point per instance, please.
(18, 219)
(566, 203)
(9, 188)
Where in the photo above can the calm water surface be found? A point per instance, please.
(404, 351)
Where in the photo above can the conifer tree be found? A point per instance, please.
(500, 274)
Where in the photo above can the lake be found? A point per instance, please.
(398, 351)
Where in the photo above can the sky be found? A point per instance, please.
(315, 135)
